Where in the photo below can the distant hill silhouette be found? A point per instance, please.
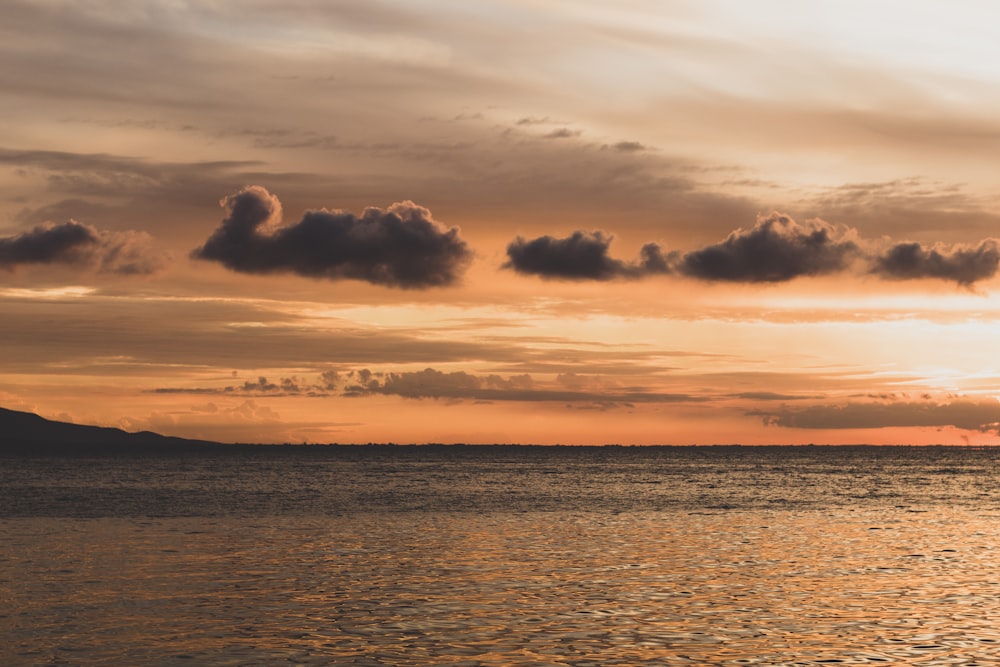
(28, 432)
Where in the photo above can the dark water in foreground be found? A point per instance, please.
(502, 556)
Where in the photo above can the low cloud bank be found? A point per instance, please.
(431, 383)
(969, 414)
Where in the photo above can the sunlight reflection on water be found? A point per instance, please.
(595, 577)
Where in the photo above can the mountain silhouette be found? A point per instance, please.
(28, 432)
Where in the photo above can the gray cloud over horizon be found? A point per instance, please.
(963, 413)
(431, 383)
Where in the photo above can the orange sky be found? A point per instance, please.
(547, 222)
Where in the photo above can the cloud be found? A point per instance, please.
(454, 386)
(964, 264)
(243, 422)
(562, 133)
(910, 206)
(70, 208)
(581, 256)
(432, 383)
(982, 415)
(401, 246)
(67, 243)
(776, 249)
(535, 120)
(114, 176)
(626, 146)
(179, 334)
(129, 253)
(260, 387)
(76, 244)
(652, 260)
(773, 396)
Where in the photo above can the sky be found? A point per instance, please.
(502, 221)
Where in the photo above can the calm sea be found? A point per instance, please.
(471, 556)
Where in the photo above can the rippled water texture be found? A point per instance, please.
(493, 557)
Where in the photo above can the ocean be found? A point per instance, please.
(468, 556)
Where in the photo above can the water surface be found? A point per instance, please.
(502, 556)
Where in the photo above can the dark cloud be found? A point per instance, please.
(260, 387)
(964, 264)
(776, 249)
(961, 413)
(401, 246)
(652, 260)
(772, 396)
(627, 146)
(473, 165)
(188, 390)
(534, 120)
(329, 379)
(69, 242)
(431, 383)
(73, 243)
(581, 256)
(114, 191)
(562, 133)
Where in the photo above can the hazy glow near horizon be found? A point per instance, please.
(593, 222)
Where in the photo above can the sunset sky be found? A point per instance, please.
(577, 222)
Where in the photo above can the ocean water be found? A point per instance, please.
(502, 556)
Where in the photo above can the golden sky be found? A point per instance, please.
(565, 222)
